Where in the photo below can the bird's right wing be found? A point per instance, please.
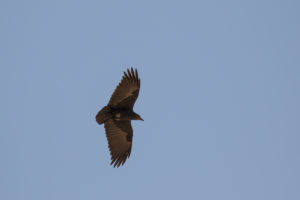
(119, 135)
(127, 91)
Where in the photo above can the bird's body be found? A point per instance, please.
(117, 116)
(124, 115)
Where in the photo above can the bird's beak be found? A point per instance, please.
(141, 119)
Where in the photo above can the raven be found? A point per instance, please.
(117, 116)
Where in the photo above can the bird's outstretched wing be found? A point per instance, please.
(119, 136)
(127, 91)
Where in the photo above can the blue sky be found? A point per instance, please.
(219, 96)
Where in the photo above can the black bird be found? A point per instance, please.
(117, 116)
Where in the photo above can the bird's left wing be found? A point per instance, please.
(119, 135)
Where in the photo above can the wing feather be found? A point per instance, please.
(119, 135)
(127, 91)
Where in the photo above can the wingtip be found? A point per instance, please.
(136, 74)
(117, 161)
(132, 74)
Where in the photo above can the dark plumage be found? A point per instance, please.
(117, 116)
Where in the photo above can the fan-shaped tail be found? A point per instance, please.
(103, 115)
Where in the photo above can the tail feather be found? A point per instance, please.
(103, 115)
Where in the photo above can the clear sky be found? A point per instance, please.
(220, 93)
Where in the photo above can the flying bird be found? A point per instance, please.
(117, 116)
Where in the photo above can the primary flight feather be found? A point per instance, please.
(117, 116)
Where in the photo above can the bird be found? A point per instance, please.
(117, 116)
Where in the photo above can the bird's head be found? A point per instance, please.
(137, 117)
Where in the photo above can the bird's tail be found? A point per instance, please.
(103, 115)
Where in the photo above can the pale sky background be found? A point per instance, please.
(220, 97)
